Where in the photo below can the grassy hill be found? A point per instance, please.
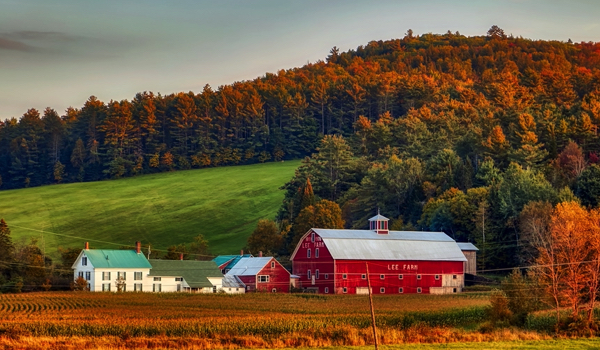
(224, 204)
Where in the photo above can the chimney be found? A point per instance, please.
(260, 254)
(87, 246)
(180, 256)
(138, 247)
(241, 253)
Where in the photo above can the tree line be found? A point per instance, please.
(451, 90)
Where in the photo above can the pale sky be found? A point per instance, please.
(57, 53)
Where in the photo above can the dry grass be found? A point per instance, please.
(185, 321)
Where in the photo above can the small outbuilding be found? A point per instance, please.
(262, 274)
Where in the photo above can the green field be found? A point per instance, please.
(224, 204)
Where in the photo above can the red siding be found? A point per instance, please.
(279, 278)
(355, 269)
(324, 264)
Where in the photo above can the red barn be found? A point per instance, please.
(261, 274)
(336, 261)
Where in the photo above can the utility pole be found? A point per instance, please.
(372, 310)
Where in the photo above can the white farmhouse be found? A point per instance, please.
(113, 270)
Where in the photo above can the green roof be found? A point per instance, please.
(105, 258)
(195, 273)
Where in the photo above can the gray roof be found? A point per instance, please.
(230, 281)
(466, 246)
(248, 266)
(195, 273)
(397, 245)
(378, 217)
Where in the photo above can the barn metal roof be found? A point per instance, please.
(231, 260)
(466, 246)
(109, 258)
(248, 266)
(396, 245)
(230, 281)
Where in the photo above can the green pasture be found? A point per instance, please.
(224, 204)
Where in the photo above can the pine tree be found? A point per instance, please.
(308, 197)
(7, 249)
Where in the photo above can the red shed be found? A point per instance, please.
(261, 274)
(335, 261)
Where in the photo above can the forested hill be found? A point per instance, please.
(427, 96)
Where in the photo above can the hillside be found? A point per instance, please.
(164, 209)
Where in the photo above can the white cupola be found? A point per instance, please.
(379, 224)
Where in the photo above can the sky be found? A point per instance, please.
(58, 53)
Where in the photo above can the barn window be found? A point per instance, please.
(344, 276)
(137, 276)
(437, 277)
(312, 237)
(418, 277)
(400, 290)
(88, 275)
(272, 264)
(317, 273)
(326, 290)
(382, 290)
(316, 252)
(453, 290)
(381, 277)
(263, 278)
(106, 287)
(308, 253)
(84, 261)
(419, 289)
(274, 290)
(344, 290)
(308, 274)
(454, 277)
(400, 277)
(363, 276)
(106, 276)
(326, 276)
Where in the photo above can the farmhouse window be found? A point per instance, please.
(381, 277)
(344, 290)
(106, 287)
(317, 273)
(382, 290)
(437, 277)
(419, 289)
(400, 290)
(156, 287)
(179, 287)
(400, 277)
(363, 276)
(157, 279)
(121, 276)
(88, 275)
(137, 276)
(308, 253)
(326, 290)
(272, 264)
(137, 287)
(263, 278)
(80, 274)
(84, 261)
(418, 277)
(344, 276)
(326, 276)
(106, 276)
(178, 279)
(308, 274)
(312, 237)
(317, 253)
